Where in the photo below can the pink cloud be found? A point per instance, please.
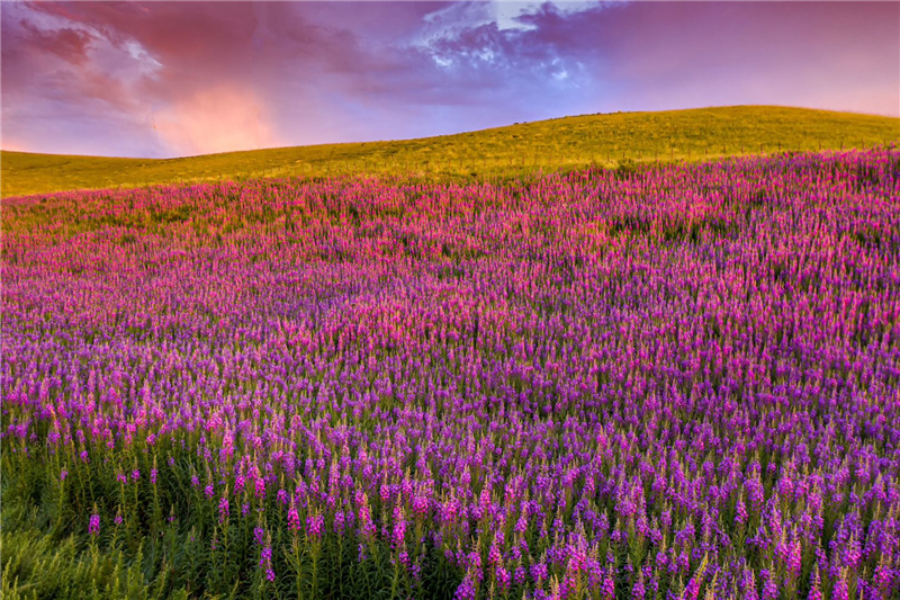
(167, 78)
(67, 43)
(217, 119)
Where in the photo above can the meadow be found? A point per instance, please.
(675, 381)
(570, 143)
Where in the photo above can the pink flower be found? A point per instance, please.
(399, 533)
(293, 519)
(840, 589)
(315, 524)
(224, 508)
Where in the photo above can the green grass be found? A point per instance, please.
(169, 547)
(569, 142)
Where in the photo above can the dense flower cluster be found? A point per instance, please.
(681, 382)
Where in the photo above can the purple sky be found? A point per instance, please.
(160, 79)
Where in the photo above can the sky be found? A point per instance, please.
(165, 79)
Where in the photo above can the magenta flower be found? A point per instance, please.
(638, 592)
(224, 508)
(315, 524)
(399, 532)
(815, 592)
(608, 587)
(265, 562)
(840, 591)
(293, 519)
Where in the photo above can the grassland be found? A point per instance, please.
(570, 142)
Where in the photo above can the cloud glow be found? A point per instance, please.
(170, 78)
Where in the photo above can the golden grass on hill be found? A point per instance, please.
(569, 142)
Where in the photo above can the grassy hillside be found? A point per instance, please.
(607, 139)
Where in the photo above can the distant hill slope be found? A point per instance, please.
(607, 139)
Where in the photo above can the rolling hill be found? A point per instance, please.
(605, 139)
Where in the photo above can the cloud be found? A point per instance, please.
(657, 55)
(215, 120)
(67, 43)
(155, 78)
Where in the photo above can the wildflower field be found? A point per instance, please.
(672, 382)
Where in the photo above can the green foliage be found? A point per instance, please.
(36, 565)
(608, 140)
(172, 542)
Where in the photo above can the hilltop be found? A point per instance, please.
(568, 142)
